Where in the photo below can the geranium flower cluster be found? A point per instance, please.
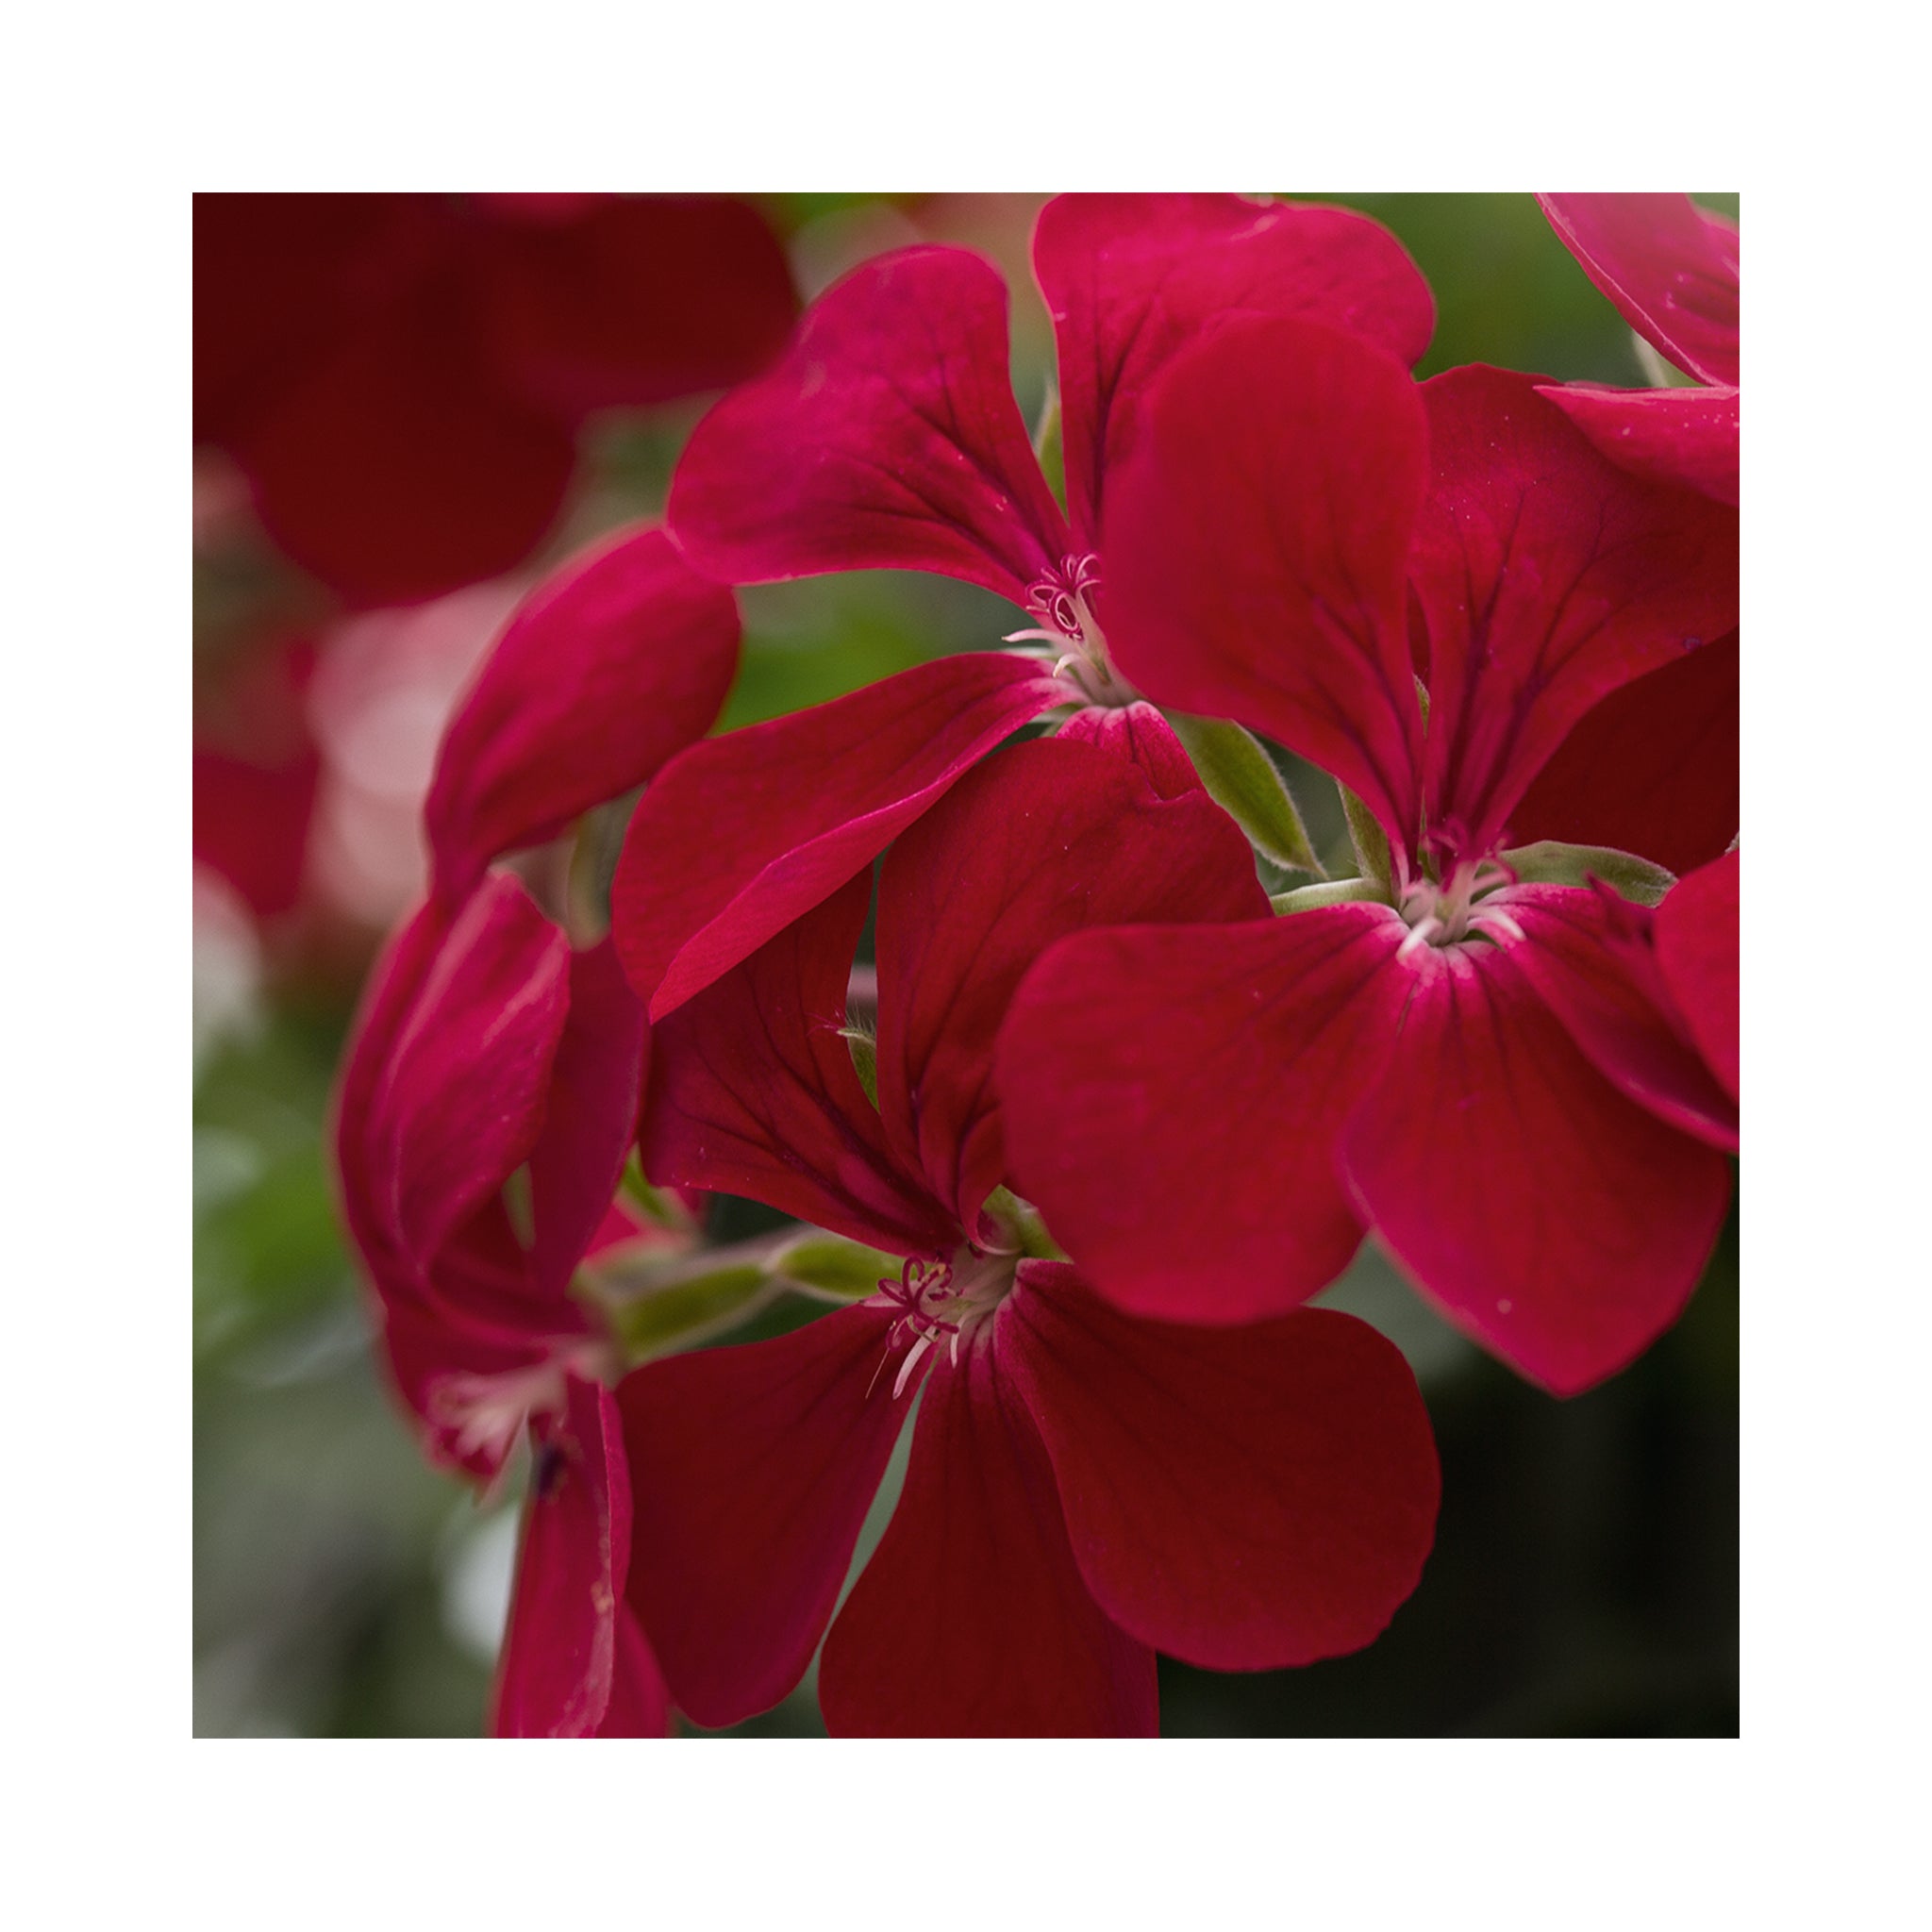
(1073, 1151)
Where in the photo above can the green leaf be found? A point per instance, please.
(1240, 777)
(833, 1269)
(665, 1210)
(684, 1310)
(865, 1059)
(1547, 862)
(1370, 841)
(1330, 892)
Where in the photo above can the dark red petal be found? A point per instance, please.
(971, 1618)
(1582, 954)
(1559, 1223)
(1256, 542)
(1133, 279)
(251, 824)
(1172, 1098)
(752, 1468)
(1697, 952)
(590, 1114)
(640, 1703)
(1687, 435)
(559, 1654)
(1041, 840)
(1670, 267)
(1651, 769)
(1548, 577)
(888, 438)
(1140, 734)
(461, 1100)
(633, 300)
(1244, 1499)
(741, 834)
(753, 1092)
(396, 471)
(619, 660)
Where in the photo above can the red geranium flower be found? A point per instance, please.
(889, 437)
(485, 1046)
(1672, 269)
(1293, 506)
(403, 377)
(1083, 1488)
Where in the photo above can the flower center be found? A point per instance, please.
(945, 1302)
(1445, 914)
(1063, 602)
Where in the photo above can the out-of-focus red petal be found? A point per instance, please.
(1584, 952)
(460, 1103)
(590, 1116)
(741, 834)
(640, 1703)
(752, 1468)
(753, 1092)
(1255, 542)
(1687, 435)
(1245, 1499)
(1697, 952)
(1172, 1097)
(559, 1653)
(1140, 734)
(1669, 266)
(396, 470)
(617, 660)
(251, 824)
(1651, 769)
(971, 1618)
(1548, 577)
(888, 438)
(1561, 1224)
(1041, 840)
(634, 299)
(1133, 279)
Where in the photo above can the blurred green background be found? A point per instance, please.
(1584, 1579)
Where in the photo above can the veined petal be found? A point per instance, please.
(741, 834)
(462, 1101)
(1039, 842)
(1686, 435)
(1696, 932)
(752, 1469)
(753, 1092)
(971, 1618)
(1140, 734)
(1669, 266)
(888, 438)
(1244, 1499)
(1548, 577)
(1579, 949)
(617, 660)
(1556, 1222)
(1133, 279)
(559, 1653)
(1651, 769)
(1172, 1099)
(590, 1114)
(634, 299)
(1255, 542)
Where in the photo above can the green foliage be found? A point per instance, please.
(1242, 778)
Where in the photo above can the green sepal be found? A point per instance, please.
(683, 1307)
(1330, 892)
(864, 1050)
(1242, 778)
(1370, 842)
(661, 1209)
(1049, 448)
(831, 1269)
(1036, 1243)
(1549, 863)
